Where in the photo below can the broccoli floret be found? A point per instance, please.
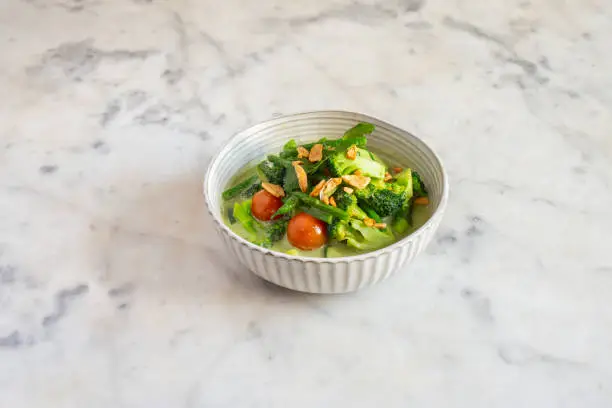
(271, 233)
(348, 203)
(344, 199)
(358, 235)
(340, 165)
(338, 230)
(385, 200)
(388, 198)
(272, 172)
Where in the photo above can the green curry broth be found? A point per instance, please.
(420, 215)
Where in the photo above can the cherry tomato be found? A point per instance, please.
(264, 205)
(306, 232)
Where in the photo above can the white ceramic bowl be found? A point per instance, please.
(325, 275)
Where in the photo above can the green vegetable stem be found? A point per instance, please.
(238, 188)
(308, 201)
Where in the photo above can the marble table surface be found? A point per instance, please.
(115, 292)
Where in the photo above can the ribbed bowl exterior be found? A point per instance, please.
(325, 275)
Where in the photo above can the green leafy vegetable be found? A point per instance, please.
(358, 235)
(290, 145)
(340, 165)
(355, 136)
(404, 178)
(280, 161)
(289, 151)
(348, 203)
(312, 168)
(360, 129)
(264, 234)
(271, 172)
(291, 181)
(322, 141)
(242, 213)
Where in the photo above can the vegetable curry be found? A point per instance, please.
(329, 198)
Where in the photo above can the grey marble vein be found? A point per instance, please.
(76, 60)
(12, 340)
(63, 299)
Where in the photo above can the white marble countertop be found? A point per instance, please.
(114, 291)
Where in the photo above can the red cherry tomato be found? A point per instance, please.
(264, 205)
(306, 232)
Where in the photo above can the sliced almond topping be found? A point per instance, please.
(301, 176)
(325, 200)
(421, 200)
(397, 170)
(351, 152)
(297, 162)
(388, 177)
(275, 190)
(357, 172)
(330, 187)
(359, 182)
(369, 222)
(348, 190)
(316, 153)
(315, 191)
(380, 225)
(302, 152)
(332, 202)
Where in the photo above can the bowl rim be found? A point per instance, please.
(439, 211)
